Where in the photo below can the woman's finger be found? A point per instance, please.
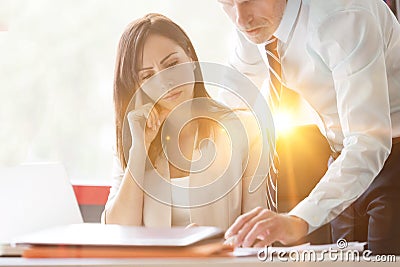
(156, 118)
(148, 122)
(141, 114)
(146, 112)
(153, 118)
(163, 113)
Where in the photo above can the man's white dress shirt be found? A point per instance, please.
(343, 57)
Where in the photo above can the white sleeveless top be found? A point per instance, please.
(180, 216)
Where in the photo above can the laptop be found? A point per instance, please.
(34, 197)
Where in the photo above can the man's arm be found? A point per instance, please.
(356, 58)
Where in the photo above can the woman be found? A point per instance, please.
(159, 180)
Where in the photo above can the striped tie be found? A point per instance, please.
(275, 72)
(275, 91)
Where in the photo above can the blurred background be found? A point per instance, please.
(56, 74)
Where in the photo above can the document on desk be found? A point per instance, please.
(115, 241)
(242, 252)
(117, 235)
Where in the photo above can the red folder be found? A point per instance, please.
(210, 249)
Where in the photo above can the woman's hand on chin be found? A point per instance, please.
(145, 122)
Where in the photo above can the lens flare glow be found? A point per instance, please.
(283, 123)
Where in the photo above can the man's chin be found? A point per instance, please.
(257, 39)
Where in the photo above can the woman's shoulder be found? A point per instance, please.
(243, 118)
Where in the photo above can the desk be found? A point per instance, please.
(195, 262)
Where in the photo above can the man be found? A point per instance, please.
(343, 57)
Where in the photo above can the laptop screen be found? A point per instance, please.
(35, 197)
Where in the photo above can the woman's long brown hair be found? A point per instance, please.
(126, 80)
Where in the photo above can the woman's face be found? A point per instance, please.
(160, 53)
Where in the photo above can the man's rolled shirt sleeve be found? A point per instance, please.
(351, 45)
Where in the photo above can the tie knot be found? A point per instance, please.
(272, 44)
(271, 48)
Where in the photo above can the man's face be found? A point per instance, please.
(257, 19)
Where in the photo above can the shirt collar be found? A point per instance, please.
(289, 18)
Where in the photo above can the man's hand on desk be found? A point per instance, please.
(261, 227)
